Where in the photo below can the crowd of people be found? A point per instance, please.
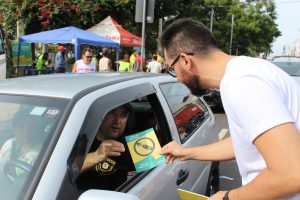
(99, 62)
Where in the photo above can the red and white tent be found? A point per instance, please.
(110, 29)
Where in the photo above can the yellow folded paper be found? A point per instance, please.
(188, 195)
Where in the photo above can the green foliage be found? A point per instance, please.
(253, 32)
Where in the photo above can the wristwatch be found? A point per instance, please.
(226, 195)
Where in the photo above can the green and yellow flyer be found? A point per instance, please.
(144, 149)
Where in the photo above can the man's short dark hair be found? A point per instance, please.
(187, 36)
(87, 49)
(154, 57)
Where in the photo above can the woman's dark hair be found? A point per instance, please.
(187, 36)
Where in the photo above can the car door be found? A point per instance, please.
(194, 123)
(162, 182)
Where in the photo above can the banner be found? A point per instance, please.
(144, 149)
(25, 54)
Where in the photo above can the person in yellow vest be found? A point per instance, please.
(161, 60)
(133, 59)
(42, 62)
(124, 65)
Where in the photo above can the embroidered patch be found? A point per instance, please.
(106, 167)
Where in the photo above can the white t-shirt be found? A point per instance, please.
(104, 64)
(154, 67)
(256, 96)
(85, 68)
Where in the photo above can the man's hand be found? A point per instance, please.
(109, 148)
(106, 149)
(174, 151)
(218, 196)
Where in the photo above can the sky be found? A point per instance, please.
(288, 20)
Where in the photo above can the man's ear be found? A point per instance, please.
(186, 62)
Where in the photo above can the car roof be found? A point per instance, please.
(65, 85)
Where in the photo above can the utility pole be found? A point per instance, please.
(143, 31)
(231, 33)
(159, 34)
(211, 18)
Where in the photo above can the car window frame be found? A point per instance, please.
(92, 123)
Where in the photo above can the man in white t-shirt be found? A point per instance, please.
(154, 66)
(262, 104)
(86, 64)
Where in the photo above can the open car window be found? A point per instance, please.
(114, 172)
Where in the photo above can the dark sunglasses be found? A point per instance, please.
(171, 70)
(88, 56)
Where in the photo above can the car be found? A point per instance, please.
(213, 99)
(289, 64)
(61, 114)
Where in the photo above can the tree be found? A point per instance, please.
(254, 22)
(254, 25)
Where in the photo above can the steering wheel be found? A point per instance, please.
(11, 167)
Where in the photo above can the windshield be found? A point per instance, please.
(26, 126)
(292, 68)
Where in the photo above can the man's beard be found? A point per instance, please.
(193, 84)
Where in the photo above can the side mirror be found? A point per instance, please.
(106, 195)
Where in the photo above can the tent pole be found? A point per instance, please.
(19, 52)
(117, 58)
(77, 50)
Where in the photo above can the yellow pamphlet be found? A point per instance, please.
(188, 195)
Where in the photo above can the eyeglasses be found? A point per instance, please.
(171, 70)
(88, 56)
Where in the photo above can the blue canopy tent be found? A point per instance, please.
(68, 35)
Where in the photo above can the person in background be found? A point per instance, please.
(154, 66)
(261, 102)
(85, 65)
(124, 65)
(160, 59)
(132, 60)
(108, 163)
(42, 62)
(105, 64)
(60, 60)
(140, 68)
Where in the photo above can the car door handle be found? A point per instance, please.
(182, 176)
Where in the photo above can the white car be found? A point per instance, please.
(48, 124)
(290, 64)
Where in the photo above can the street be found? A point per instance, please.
(229, 175)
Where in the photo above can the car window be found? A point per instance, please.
(114, 171)
(290, 65)
(188, 110)
(25, 125)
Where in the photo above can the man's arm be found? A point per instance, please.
(221, 150)
(280, 148)
(109, 65)
(74, 69)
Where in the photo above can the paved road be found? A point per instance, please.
(229, 175)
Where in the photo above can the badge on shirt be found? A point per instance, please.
(106, 167)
